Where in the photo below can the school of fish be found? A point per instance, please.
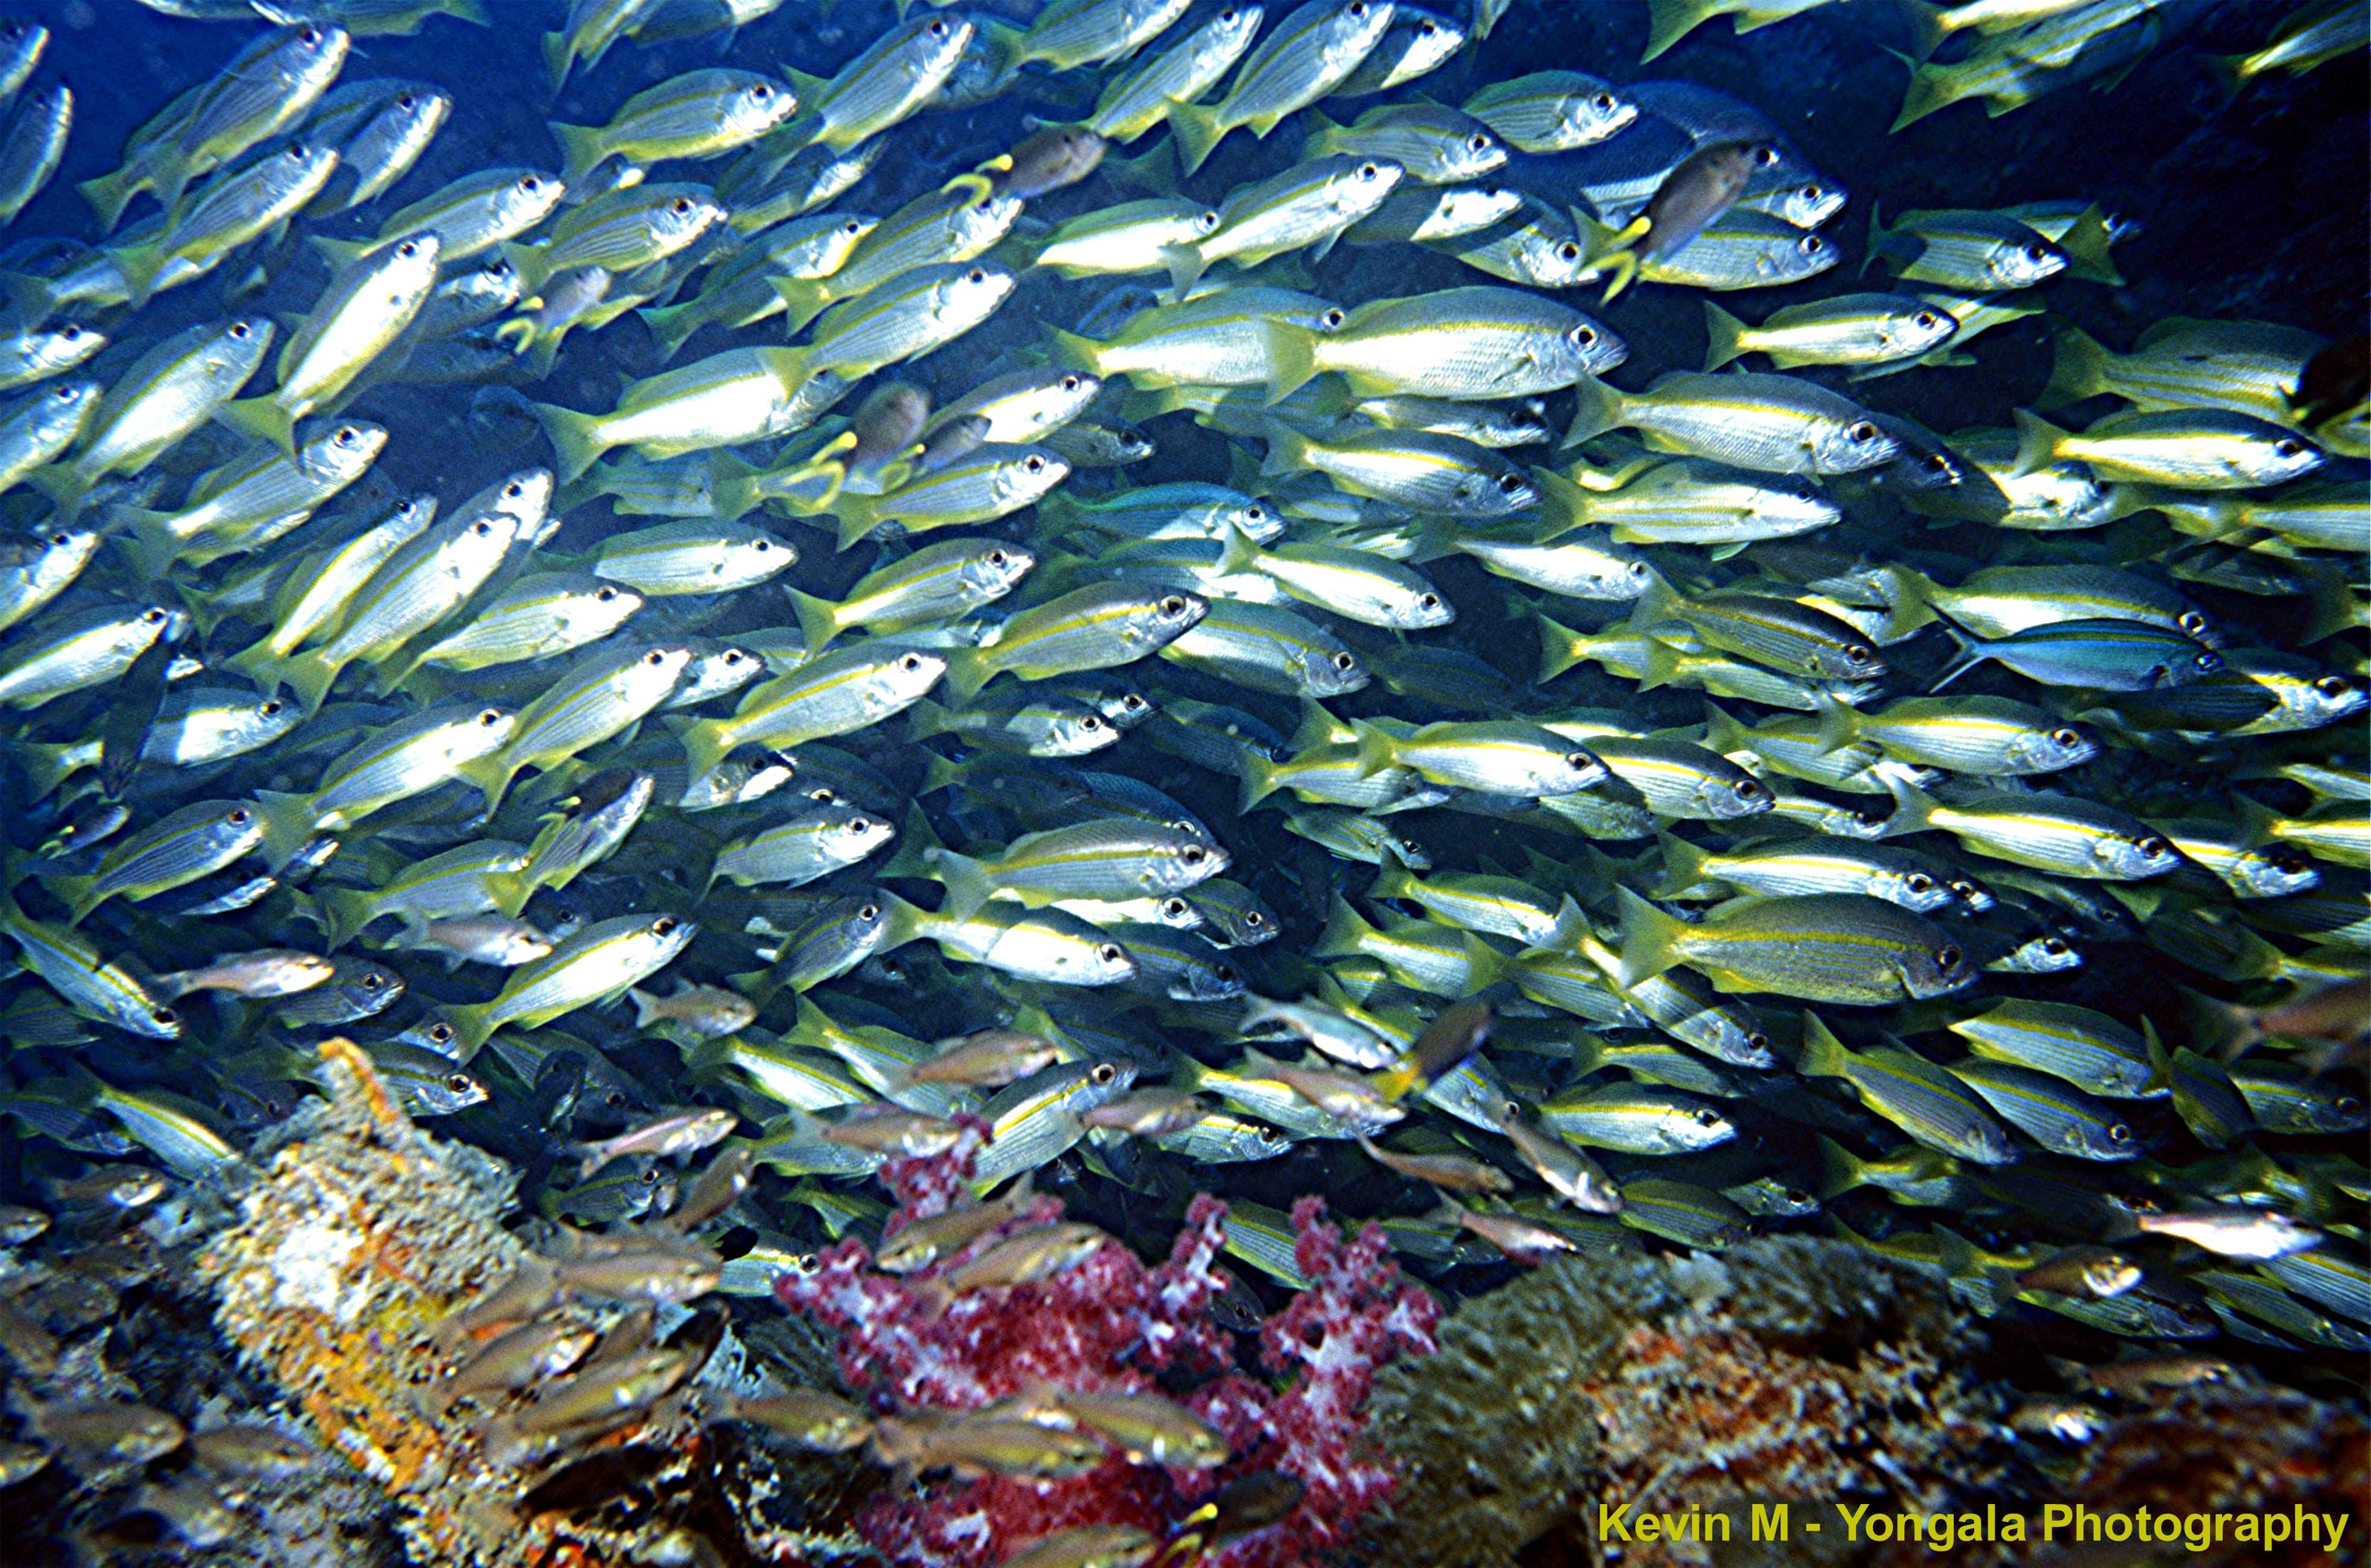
(1549, 788)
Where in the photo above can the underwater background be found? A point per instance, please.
(1657, 1246)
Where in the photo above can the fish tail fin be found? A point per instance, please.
(138, 265)
(2230, 74)
(2334, 603)
(262, 417)
(1559, 649)
(1840, 1172)
(853, 519)
(1684, 866)
(1395, 880)
(965, 881)
(1668, 21)
(1823, 1055)
(1597, 410)
(1259, 781)
(344, 912)
(804, 299)
(672, 325)
(575, 438)
(1484, 966)
(1287, 449)
(1922, 20)
(927, 718)
(1914, 809)
(342, 253)
(1622, 271)
(2161, 1060)
(1197, 130)
(919, 848)
(1650, 939)
(2078, 368)
(1155, 172)
(110, 194)
(309, 675)
(968, 669)
(287, 824)
(558, 58)
(1564, 504)
(705, 743)
(1376, 750)
(1723, 333)
(818, 619)
(1969, 651)
(1345, 932)
(1929, 90)
(34, 300)
(2085, 245)
(580, 151)
(1292, 358)
(1186, 267)
(493, 775)
(1660, 665)
(1910, 599)
(473, 1026)
(1839, 723)
(1078, 353)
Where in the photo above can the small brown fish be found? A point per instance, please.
(194, 1509)
(679, 1132)
(1451, 1172)
(1249, 1503)
(1148, 1112)
(31, 1347)
(103, 1430)
(22, 1461)
(1520, 1239)
(19, 1224)
(2068, 1420)
(2146, 1375)
(1705, 184)
(985, 1446)
(1455, 1033)
(1147, 1427)
(887, 423)
(924, 1241)
(1026, 1258)
(900, 1135)
(809, 1417)
(1569, 1173)
(670, 1274)
(1087, 1546)
(1353, 1102)
(709, 1012)
(111, 1186)
(249, 1449)
(2256, 1235)
(988, 1059)
(716, 1189)
(519, 1359)
(1044, 161)
(2083, 1271)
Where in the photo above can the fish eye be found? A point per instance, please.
(1132, 702)
(1476, 143)
(1927, 319)
(1110, 953)
(910, 663)
(654, 658)
(309, 37)
(2346, 1105)
(663, 926)
(1345, 663)
(860, 826)
(406, 100)
(1707, 1117)
(66, 394)
(1332, 318)
(1033, 464)
(2289, 448)
(2118, 1134)
(1813, 244)
(491, 717)
(1426, 29)
(1578, 761)
(1568, 252)
(238, 816)
(1254, 919)
(868, 912)
(1175, 909)
(761, 92)
(2152, 847)
(152, 617)
(1947, 957)
(1918, 881)
(1812, 192)
(2055, 948)
(975, 275)
(1172, 605)
(2191, 621)
(1356, 8)
(1862, 429)
(439, 1032)
(1228, 15)
(241, 330)
(1192, 854)
(528, 185)
(371, 982)
(1750, 790)
(1584, 334)
(61, 540)
(937, 29)
(164, 1015)
(2067, 738)
(1256, 512)
(1226, 973)
(2331, 687)
(1603, 103)
(2036, 253)
(1855, 654)
(1796, 1196)
(1765, 154)
(271, 705)
(604, 595)
(1103, 1072)
(2209, 662)
(481, 529)
(1369, 171)
(461, 1083)
(1509, 483)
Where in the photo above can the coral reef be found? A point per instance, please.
(1111, 1325)
(1790, 1367)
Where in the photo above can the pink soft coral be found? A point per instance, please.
(1109, 1325)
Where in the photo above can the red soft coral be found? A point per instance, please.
(1109, 1325)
